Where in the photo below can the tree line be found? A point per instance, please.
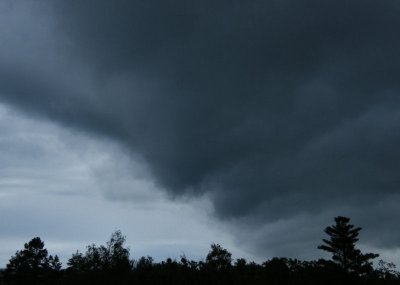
(111, 264)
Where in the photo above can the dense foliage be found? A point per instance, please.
(110, 264)
(32, 265)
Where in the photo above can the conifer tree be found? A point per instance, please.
(31, 265)
(341, 244)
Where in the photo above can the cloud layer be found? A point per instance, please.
(51, 185)
(274, 109)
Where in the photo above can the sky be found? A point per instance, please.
(247, 123)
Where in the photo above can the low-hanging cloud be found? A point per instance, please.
(271, 108)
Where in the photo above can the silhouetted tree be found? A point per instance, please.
(54, 263)
(32, 264)
(144, 263)
(114, 256)
(343, 237)
(277, 270)
(219, 258)
(117, 256)
(94, 258)
(387, 270)
(77, 262)
(110, 264)
(240, 263)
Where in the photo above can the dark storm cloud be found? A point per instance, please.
(271, 107)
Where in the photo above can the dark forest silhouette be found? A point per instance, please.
(111, 264)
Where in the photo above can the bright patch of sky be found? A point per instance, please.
(58, 184)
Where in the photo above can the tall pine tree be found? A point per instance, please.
(341, 244)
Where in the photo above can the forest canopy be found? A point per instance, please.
(111, 264)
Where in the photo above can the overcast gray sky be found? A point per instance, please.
(249, 123)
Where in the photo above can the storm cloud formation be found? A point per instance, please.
(274, 109)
